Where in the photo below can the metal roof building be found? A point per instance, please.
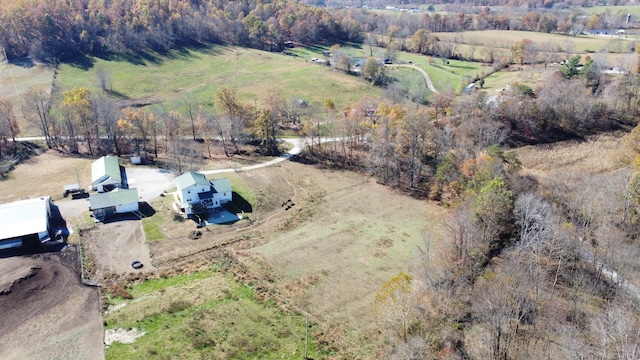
(191, 178)
(105, 171)
(115, 202)
(24, 218)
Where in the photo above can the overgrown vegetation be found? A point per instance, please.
(221, 320)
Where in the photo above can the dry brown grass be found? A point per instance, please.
(598, 154)
(45, 175)
(16, 80)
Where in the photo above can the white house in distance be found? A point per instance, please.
(196, 194)
(25, 221)
(105, 174)
(118, 201)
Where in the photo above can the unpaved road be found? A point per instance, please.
(46, 312)
(421, 71)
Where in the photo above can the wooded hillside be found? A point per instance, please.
(54, 30)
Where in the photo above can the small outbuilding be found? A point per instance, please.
(105, 174)
(25, 222)
(118, 201)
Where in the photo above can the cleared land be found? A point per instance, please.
(46, 311)
(45, 174)
(201, 72)
(16, 80)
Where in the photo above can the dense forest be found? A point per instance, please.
(55, 30)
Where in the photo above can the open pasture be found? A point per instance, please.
(201, 72)
(15, 80)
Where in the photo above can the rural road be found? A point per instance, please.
(424, 74)
(298, 145)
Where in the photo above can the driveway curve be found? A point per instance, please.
(421, 71)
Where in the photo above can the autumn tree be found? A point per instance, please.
(141, 125)
(524, 52)
(78, 109)
(394, 305)
(235, 113)
(8, 123)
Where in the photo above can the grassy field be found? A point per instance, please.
(201, 72)
(16, 80)
(345, 237)
(204, 315)
(613, 9)
(564, 45)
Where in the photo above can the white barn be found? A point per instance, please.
(25, 220)
(118, 201)
(105, 174)
(196, 194)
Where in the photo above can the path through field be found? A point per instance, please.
(421, 71)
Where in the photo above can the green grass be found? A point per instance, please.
(152, 230)
(243, 191)
(201, 72)
(613, 9)
(205, 315)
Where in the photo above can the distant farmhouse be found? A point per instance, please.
(105, 174)
(118, 201)
(25, 222)
(196, 194)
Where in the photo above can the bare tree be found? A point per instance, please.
(35, 106)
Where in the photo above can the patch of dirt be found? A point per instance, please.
(112, 247)
(122, 336)
(47, 313)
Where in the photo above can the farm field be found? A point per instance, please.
(15, 80)
(201, 72)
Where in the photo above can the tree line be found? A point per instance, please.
(55, 30)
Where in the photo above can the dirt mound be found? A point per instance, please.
(46, 310)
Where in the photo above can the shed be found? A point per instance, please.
(469, 89)
(119, 201)
(23, 220)
(105, 173)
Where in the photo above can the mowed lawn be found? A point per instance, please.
(201, 72)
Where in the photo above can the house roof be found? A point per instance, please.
(107, 167)
(221, 185)
(113, 198)
(191, 178)
(24, 217)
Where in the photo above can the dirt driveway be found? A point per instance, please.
(150, 182)
(46, 311)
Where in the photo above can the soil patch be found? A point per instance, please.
(47, 313)
(112, 247)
